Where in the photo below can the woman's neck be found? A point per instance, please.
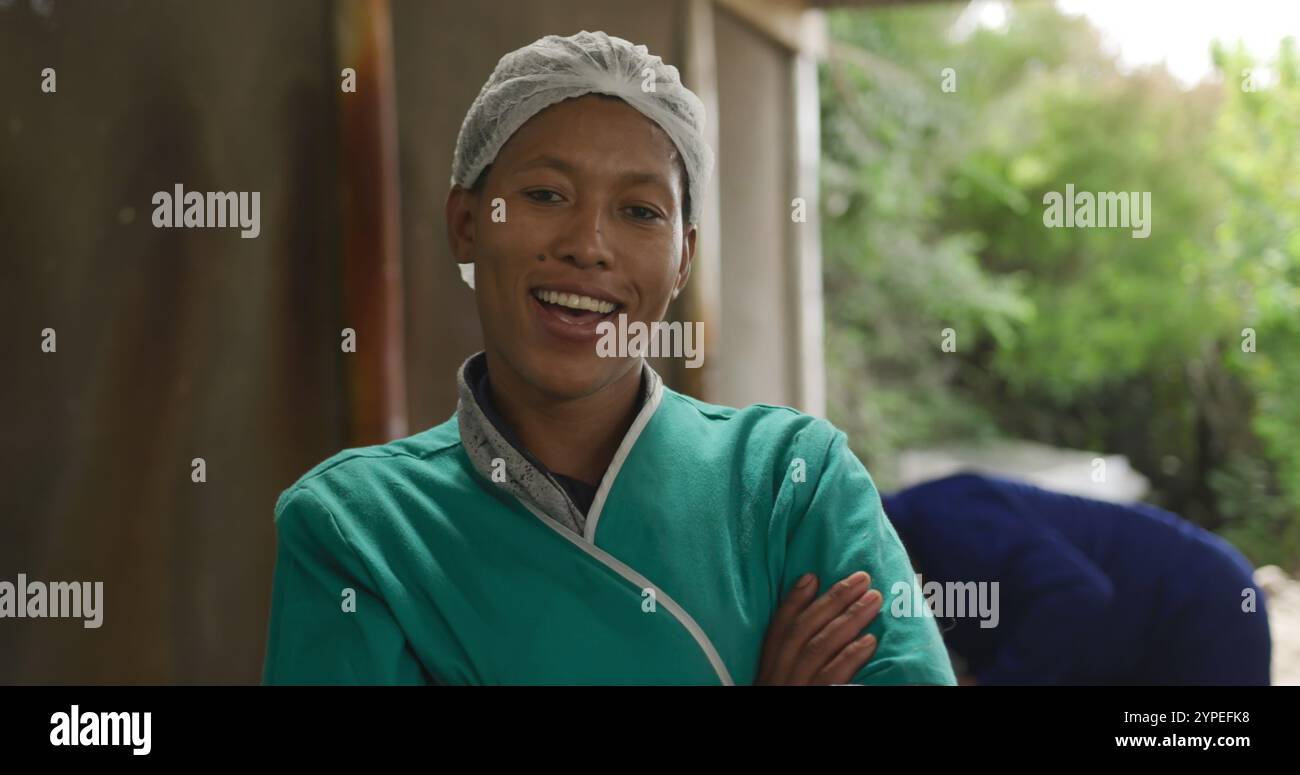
(575, 437)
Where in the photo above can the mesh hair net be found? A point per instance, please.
(553, 69)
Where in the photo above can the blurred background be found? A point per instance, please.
(881, 171)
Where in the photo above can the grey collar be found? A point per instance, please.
(518, 472)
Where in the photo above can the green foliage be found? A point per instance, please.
(1088, 338)
(1257, 153)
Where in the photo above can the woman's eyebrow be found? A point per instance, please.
(646, 177)
(548, 161)
(633, 177)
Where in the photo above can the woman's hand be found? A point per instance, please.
(814, 642)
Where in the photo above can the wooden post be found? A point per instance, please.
(371, 257)
(701, 302)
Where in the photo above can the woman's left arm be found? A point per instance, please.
(834, 526)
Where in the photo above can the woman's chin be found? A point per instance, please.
(577, 377)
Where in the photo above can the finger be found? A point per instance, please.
(800, 595)
(813, 618)
(848, 662)
(838, 633)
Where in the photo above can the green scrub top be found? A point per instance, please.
(403, 564)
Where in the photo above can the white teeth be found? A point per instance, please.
(574, 301)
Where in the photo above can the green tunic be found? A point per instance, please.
(405, 563)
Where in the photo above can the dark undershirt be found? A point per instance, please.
(581, 493)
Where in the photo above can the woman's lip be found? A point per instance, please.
(557, 326)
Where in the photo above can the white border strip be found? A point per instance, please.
(624, 449)
(642, 582)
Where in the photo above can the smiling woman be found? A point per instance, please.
(576, 521)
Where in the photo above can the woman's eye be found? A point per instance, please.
(650, 215)
(533, 195)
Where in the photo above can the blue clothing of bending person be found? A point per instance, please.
(1090, 592)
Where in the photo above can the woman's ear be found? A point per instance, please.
(459, 213)
(688, 259)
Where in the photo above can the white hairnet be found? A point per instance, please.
(554, 69)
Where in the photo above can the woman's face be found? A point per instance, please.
(584, 200)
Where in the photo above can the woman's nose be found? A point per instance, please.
(585, 243)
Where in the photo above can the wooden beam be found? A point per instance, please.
(790, 23)
(371, 257)
(701, 302)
